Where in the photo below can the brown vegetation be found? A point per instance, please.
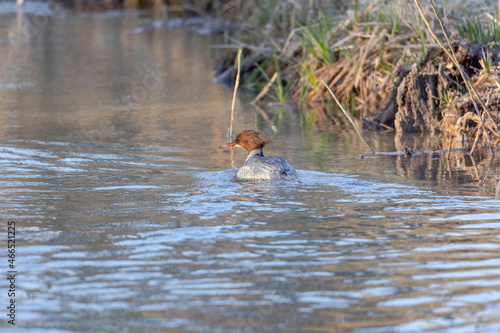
(381, 63)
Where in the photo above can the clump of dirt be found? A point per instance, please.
(432, 97)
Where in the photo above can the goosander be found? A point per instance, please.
(257, 166)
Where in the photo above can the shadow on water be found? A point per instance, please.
(129, 218)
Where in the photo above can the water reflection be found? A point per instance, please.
(130, 219)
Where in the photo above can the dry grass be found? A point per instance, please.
(363, 51)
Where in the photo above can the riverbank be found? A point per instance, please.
(381, 60)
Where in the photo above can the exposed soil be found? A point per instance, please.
(432, 96)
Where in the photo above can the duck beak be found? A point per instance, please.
(228, 145)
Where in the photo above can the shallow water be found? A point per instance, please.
(129, 218)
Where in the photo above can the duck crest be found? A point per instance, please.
(251, 140)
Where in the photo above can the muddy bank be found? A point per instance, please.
(432, 95)
(374, 64)
(429, 96)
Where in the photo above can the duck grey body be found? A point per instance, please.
(257, 166)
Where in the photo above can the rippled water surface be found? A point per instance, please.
(129, 218)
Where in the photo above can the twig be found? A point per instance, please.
(387, 127)
(345, 39)
(239, 45)
(271, 39)
(236, 84)
(449, 146)
(264, 91)
(496, 141)
(347, 115)
(476, 140)
(289, 38)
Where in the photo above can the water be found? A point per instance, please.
(129, 218)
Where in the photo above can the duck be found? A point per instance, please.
(257, 166)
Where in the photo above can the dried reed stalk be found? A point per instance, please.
(346, 114)
(264, 91)
(236, 84)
